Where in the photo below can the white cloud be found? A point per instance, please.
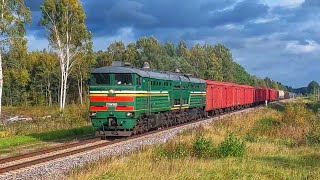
(309, 47)
(283, 3)
(35, 43)
(126, 35)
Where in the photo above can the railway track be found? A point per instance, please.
(26, 160)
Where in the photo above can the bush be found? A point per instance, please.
(232, 146)
(203, 147)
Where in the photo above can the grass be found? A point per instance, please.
(58, 135)
(277, 149)
(47, 125)
(45, 119)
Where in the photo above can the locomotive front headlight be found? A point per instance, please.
(93, 113)
(129, 114)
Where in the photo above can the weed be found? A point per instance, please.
(203, 147)
(251, 137)
(173, 151)
(264, 125)
(289, 142)
(313, 138)
(232, 146)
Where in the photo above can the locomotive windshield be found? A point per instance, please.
(123, 79)
(100, 79)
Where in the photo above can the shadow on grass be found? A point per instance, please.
(277, 106)
(59, 135)
(308, 161)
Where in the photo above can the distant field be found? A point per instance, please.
(266, 144)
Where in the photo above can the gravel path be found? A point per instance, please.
(59, 168)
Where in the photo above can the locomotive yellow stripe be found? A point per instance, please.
(98, 95)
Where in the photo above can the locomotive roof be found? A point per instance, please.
(147, 73)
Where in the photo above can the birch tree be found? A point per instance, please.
(64, 21)
(13, 16)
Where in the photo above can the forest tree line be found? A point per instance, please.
(33, 78)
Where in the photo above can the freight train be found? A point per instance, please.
(125, 101)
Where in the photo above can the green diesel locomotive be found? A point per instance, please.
(125, 101)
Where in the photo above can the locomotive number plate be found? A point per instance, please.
(112, 104)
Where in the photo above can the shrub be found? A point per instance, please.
(231, 146)
(203, 147)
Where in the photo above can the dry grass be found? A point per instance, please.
(45, 119)
(269, 156)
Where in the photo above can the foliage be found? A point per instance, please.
(68, 35)
(38, 76)
(203, 147)
(232, 146)
(13, 16)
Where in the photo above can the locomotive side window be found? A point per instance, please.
(100, 79)
(123, 79)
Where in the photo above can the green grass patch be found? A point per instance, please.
(265, 124)
(12, 141)
(232, 146)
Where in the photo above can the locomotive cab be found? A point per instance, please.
(112, 104)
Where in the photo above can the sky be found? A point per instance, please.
(279, 39)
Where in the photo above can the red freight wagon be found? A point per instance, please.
(286, 95)
(221, 95)
(249, 94)
(273, 94)
(261, 95)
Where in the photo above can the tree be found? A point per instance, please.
(131, 54)
(224, 55)
(68, 35)
(313, 87)
(116, 51)
(151, 52)
(214, 69)
(13, 15)
(82, 72)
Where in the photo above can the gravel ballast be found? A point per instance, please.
(59, 168)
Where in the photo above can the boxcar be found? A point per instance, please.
(273, 95)
(224, 96)
(286, 95)
(281, 94)
(261, 94)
